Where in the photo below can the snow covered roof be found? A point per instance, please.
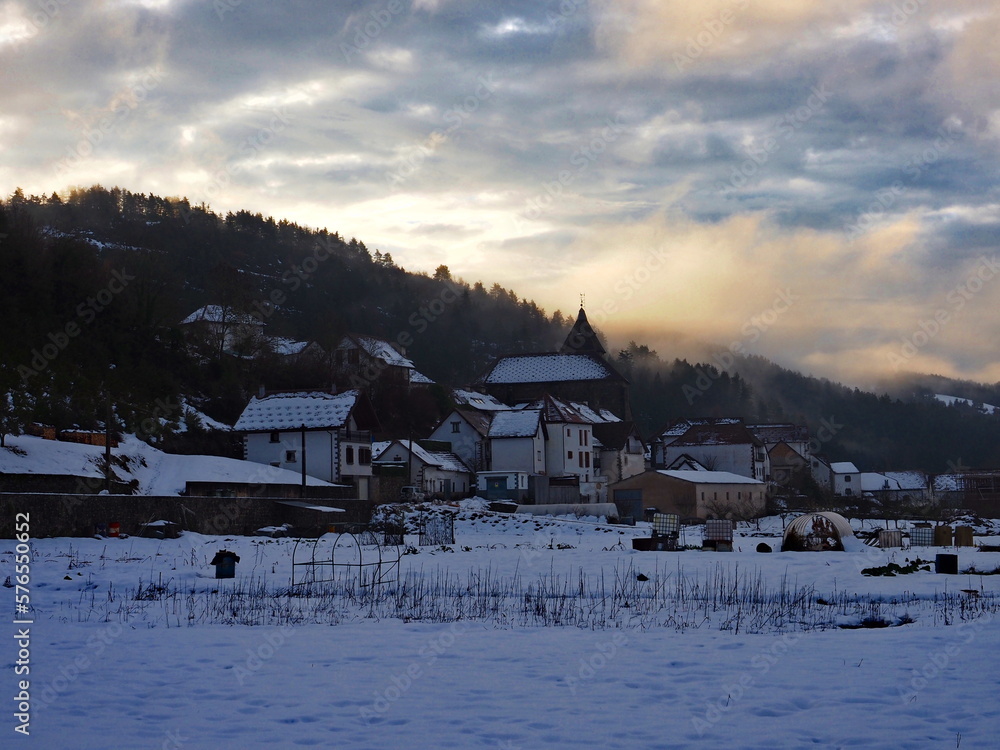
(778, 433)
(444, 460)
(594, 416)
(716, 434)
(285, 346)
(874, 482)
(476, 400)
(684, 462)
(379, 349)
(549, 368)
(844, 467)
(614, 435)
(557, 411)
(291, 411)
(418, 378)
(708, 477)
(908, 480)
(681, 426)
(220, 314)
(512, 424)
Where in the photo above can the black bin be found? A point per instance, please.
(947, 564)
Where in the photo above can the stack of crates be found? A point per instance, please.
(666, 529)
(718, 535)
(922, 536)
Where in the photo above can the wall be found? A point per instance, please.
(78, 515)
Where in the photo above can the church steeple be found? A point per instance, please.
(582, 339)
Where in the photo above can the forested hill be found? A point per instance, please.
(99, 277)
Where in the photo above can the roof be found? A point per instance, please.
(220, 314)
(445, 460)
(716, 434)
(874, 482)
(379, 349)
(286, 347)
(844, 467)
(557, 411)
(292, 411)
(582, 338)
(550, 368)
(480, 422)
(476, 400)
(684, 460)
(678, 428)
(594, 416)
(909, 480)
(418, 378)
(783, 450)
(708, 477)
(513, 424)
(777, 433)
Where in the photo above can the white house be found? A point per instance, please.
(467, 431)
(845, 479)
(318, 434)
(517, 441)
(719, 445)
(439, 473)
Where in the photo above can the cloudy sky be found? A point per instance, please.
(813, 181)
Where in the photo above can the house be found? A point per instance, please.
(224, 330)
(362, 361)
(794, 436)
(621, 451)
(914, 486)
(845, 479)
(578, 372)
(719, 445)
(690, 494)
(318, 434)
(467, 432)
(675, 430)
(517, 441)
(819, 467)
(437, 473)
(787, 464)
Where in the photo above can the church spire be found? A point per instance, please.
(582, 338)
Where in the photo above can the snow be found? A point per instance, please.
(286, 347)
(221, 315)
(548, 368)
(949, 400)
(384, 351)
(511, 424)
(874, 482)
(844, 467)
(158, 473)
(708, 477)
(445, 460)
(152, 671)
(480, 401)
(292, 411)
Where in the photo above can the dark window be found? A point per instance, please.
(350, 455)
(275, 437)
(455, 426)
(289, 457)
(569, 454)
(587, 459)
(847, 479)
(364, 456)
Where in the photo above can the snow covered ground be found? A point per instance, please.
(135, 644)
(158, 473)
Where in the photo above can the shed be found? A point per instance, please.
(819, 532)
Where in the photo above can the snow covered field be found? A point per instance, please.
(561, 643)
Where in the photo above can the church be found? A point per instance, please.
(580, 371)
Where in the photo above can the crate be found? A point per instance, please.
(718, 530)
(666, 524)
(922, 537)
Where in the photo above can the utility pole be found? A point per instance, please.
(303, 492)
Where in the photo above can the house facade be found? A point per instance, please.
(719, 446)
(437, 473)
(317, 434)
(467, 432)
(691, 494)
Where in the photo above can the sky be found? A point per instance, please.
(810, 181)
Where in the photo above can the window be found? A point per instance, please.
(353, 357)
(455, 426)
(587, 459)
(275, 437)
(350, 455)
(739, 495)
(289, 457)
(580, 458)
(848, 491)
(568, 433)
(364, 456)
(569, 454)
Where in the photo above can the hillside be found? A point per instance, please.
(97, 281)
